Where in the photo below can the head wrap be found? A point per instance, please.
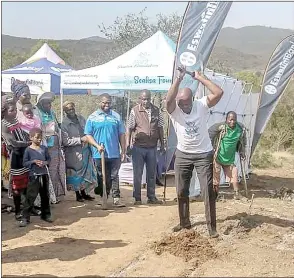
(18, 88)
(43, 96)
(48, 116)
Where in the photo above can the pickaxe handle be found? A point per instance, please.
(104, 197)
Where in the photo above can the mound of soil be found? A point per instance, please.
(187, 244)
(241, 226)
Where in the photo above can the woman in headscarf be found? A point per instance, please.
(22, 95)
(16, 142)
(52, 140)
(80, 171)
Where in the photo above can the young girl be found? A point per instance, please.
(36, 159)
(27, 121)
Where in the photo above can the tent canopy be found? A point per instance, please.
(148, 65)
(45, 52)
(41, 66)
(40, 76)
(40, 72)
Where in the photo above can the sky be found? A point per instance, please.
(76, 20)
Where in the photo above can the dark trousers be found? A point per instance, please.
(18, 195)
(184, 166)
(36, 185)
(112, 166)
(140, 157)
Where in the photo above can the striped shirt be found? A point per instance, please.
(16, 141)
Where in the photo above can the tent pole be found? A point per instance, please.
(61, 104)
(128, 107)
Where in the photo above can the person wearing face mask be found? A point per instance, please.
(52, 139)
(105, 132)
(228, 138)
(16, 142)
(80, 171)
(145, 125)
(194, 148)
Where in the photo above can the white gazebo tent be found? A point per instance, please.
(149, 64)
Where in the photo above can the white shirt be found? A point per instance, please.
(192, 129)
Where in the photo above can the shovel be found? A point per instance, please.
(104, 196)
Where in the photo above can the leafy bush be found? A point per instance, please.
(263, 160)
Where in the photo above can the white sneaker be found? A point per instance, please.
(117, 202)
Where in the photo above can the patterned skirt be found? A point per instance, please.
(85, 178)
(19, 174)
(57, 169)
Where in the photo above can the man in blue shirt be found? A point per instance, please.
(106, 132)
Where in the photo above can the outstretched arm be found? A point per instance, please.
(68, 141)
(89, 138)
(92, 142)
(173, 91)
(216, 91)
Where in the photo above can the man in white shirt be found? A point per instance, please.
(194, 147)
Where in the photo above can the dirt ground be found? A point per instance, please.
(137, 241)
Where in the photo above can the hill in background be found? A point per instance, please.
(247, 48)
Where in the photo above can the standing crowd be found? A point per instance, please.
(47, 158)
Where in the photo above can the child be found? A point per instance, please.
(36, 158)
(29, 120)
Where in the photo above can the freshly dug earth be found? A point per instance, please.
(187, 244)
(87, 241)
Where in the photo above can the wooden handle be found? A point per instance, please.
(104, 197)
(244, 176)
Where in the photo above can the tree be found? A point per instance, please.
(251, 77)
(63, 54)
(11, 59)
(132, 29)
(128, 31)
(218, 66)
